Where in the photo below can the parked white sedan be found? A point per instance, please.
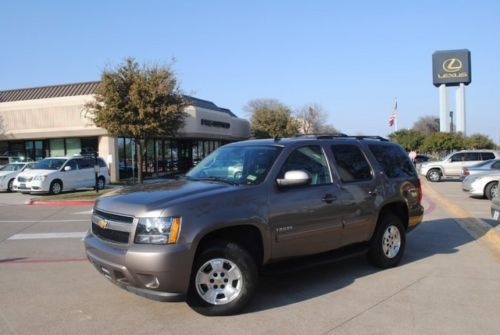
(482, 185)
(9, 172)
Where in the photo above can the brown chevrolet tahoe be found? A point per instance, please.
(206, 237)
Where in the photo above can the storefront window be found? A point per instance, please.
(4, 148)
(57, 147)
(159, 156)
(73, 146)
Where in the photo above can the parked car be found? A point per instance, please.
(492, 165)
(56, 174)
(206, 237)
(9, 172)
(451, 166)
(482, 184)
(495, 206)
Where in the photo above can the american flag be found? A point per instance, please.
(392, 118)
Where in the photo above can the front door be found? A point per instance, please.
(306, 219)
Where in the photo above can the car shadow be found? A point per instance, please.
(435, 237)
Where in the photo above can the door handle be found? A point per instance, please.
(329, 198)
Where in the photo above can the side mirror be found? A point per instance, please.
(294, 178)
(67, 168)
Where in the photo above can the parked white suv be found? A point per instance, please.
(452, 165)
(55, 174)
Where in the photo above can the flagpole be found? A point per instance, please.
(396, 111)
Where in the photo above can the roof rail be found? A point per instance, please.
(341, 135)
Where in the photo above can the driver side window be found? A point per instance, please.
(310, 159)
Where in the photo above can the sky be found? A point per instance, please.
(351, 57)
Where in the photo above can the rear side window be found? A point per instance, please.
(393, 161)
(487, 156)
(496, 165)
(472, 156)
(351, 163)
(101, 163)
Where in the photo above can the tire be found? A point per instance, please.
(213, 269)
(491, 190)
(55, 187)
(101, 183)
(10, 185)
(388, 243)
(434, 175)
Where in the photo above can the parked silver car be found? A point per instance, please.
(482, 184)
(9, 172)
(493, 165)
(452, 165)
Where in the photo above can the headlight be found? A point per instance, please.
(40, 178)
(158, 230)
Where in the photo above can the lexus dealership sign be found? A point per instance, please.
(451, 67)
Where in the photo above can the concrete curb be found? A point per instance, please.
(59, 202)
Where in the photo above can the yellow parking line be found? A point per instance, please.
(477, 228)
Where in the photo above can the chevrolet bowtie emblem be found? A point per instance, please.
(103, 224)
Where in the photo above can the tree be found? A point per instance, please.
(311, 119)
(440, 141)
(138, 101)
(427, 124)
(271, 118)
(409, 139)
(479, 141)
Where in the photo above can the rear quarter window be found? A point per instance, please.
(487, 156)
(393, 161)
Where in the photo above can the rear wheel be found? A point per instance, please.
(101, 183)
(388, 243)
(224, 278)
(491, 190)
(434, 175)
(55, 187)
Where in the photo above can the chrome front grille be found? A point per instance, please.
(24, 180)
(112, 227)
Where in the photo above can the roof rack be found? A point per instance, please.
(341, 135)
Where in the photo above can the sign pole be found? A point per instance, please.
(460, 102)
(444, 118)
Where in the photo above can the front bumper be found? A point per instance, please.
(31, 186)
(158, 272)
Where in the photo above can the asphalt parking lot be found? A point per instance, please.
(448, 282)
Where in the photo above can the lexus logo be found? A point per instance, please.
(452, 65)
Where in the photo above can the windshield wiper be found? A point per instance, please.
(213, 178)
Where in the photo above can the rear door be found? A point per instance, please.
(359, 190)
(455, 164)
(87, 174)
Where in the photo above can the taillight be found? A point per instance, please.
(420, 193)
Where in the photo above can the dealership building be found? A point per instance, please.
(51, 121)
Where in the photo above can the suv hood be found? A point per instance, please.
(139, 200)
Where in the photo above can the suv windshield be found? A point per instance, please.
(236, 165)
(12, 167)
(49, 164)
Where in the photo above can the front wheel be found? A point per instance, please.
(491, 190)
(434, 175)
(10, 185)
(223, 280)
(388, 243)
(55, 187)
